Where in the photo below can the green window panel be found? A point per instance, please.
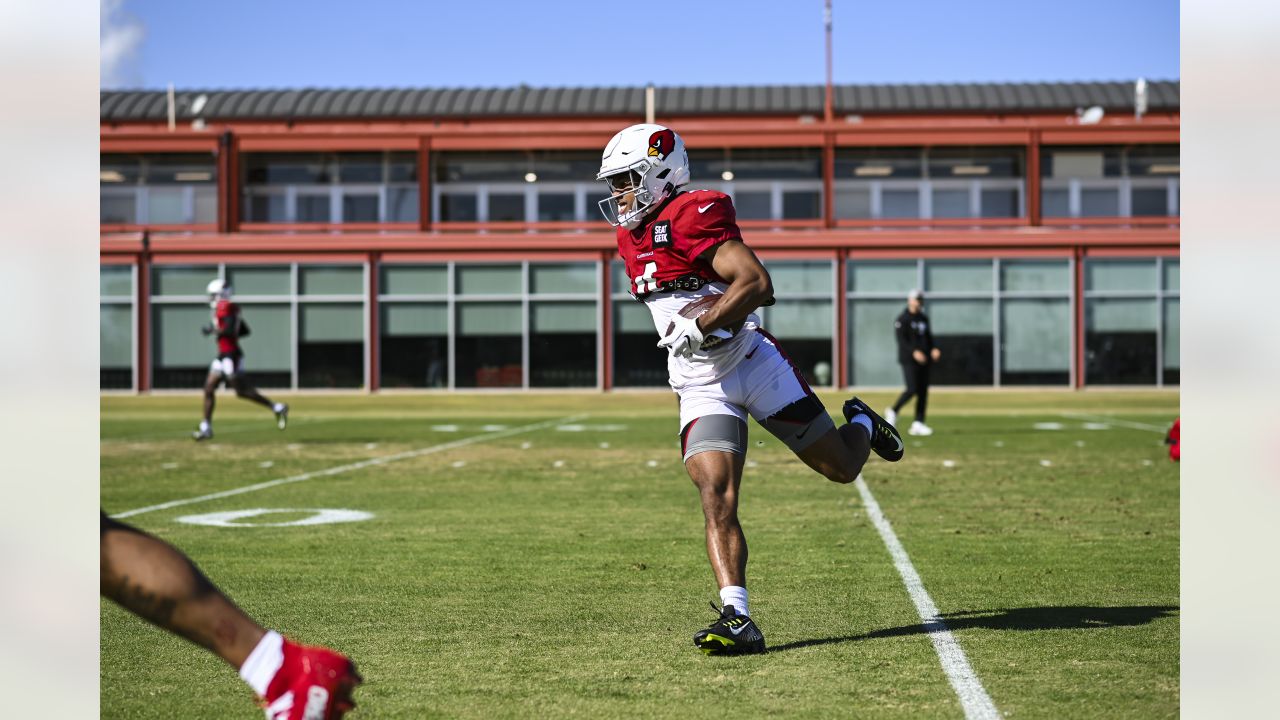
(894, 277)
(1172, 275)
(178, 341)
(269, 345)
(489, 319)
(619, 282)
(964, 276)
(1121, 315)
(115, 280)
(415, 280)
(801, 319)
(1035, 335)
(331, 280)
(489, 280)
(1120, 275)
(960, 317)
(1172, 335)
(331, 323)
(115, 336)
(1035, 276)
(793, 278)
(566, 278)
(548, 317)
(272, 280)
(874, 348)
(415, 319)
(182, 279)
(632, 317)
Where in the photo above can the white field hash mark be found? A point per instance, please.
(339, 469)
(974, 700)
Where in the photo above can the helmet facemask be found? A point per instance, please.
(630, 181)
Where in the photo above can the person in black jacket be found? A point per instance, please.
(916, 352)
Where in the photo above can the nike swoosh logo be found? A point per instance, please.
(748, 355)
(705, 208)
(899, 441)
(738, 630)
(801, 435)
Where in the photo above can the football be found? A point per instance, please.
(696, 309)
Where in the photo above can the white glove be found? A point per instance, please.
(684, 339)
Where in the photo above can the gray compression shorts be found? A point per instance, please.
(797, 425)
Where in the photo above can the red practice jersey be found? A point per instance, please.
(226, 321)
(666, 247)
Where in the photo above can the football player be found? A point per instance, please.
(680, 245)
(158, 583)
(228, 365)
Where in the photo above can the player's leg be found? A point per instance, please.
(922, 402)
(211, 382)
(158, 583)
(246, 391)
(910, 381)
(714, 451)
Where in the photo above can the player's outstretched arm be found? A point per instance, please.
(155, 581)
(749, 284)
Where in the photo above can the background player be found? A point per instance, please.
(158, 583)
(228, 365)
(681, 245)
(916, 354)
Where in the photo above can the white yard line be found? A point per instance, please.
(337, 470)
(974, 699)
(1116, 421)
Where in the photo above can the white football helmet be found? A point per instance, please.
(647, 162)
(218, 290)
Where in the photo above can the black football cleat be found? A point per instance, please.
(730, 634)
(885, 439)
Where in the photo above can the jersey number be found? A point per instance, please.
(645, 283)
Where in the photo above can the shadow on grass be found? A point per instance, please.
(1066, 617)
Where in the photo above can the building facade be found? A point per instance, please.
(385, 239)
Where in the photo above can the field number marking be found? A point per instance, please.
(233, 518)
(974, 700)
(339, 469)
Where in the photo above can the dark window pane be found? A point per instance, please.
(313, 208)
(1150, 201)
(402, 167)
(1056, 203)
(637, 362)
(753, 205)
(359, 208)
(512, 166)
(951, 203)
(900, 204)
(415, 362)
(1103, 202)
(998, 203)
(802, 204)
(506, 208)
(974, 162)
(114, 208)
(756, 163)
(555, 207)
(115, 169)
(360, 168)
(876, 163)
(288, 168)
(458, 208)
(265, 208)
(1120, 342)
(180, 170)
(1153, 160)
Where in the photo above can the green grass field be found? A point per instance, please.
(562, 573)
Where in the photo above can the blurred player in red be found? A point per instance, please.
(228, 366)
(1174, 440)
(680, 246)
(155, 581)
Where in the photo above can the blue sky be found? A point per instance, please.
(425, 43)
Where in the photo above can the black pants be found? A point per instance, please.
(917, 379)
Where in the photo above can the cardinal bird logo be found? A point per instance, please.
(661, 144)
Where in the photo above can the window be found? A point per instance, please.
(1131, 321)
(637, 361)
(414, 326)
(331, 328)
(923, 183)
(765, 183)
(331, 187)
(177, 189)
(544, 186)
(803, 317)
(115, 327)
(1113, 181)
(1035, 322)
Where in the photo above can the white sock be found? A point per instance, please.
(204, 426)
(735, 595)
(277, 407)
(263, 663)
(864, 420)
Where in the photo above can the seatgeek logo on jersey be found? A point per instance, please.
(662, 234)
(661, 144)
